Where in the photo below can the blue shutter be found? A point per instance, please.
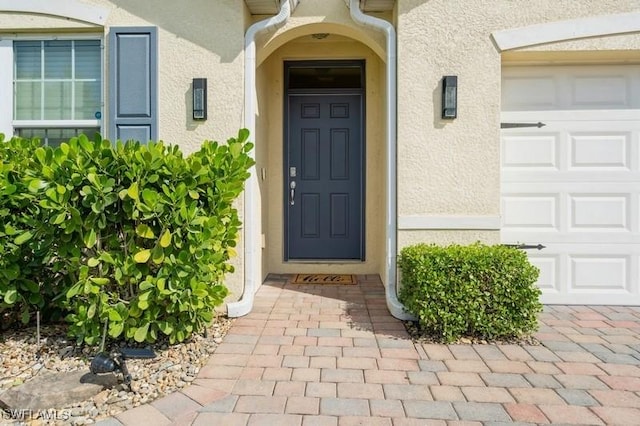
(133, 83)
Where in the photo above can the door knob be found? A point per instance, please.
(292, 194)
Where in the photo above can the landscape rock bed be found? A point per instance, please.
(173, 368)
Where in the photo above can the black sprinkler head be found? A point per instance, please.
(102, 363)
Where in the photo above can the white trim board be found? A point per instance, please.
(491, 223)
(6, 87)
(572, 29)
(65, 8)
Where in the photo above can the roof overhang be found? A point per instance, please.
(271, 7)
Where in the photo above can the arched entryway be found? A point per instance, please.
(316, 44)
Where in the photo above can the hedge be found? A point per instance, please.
(136, 235)
(479, 291)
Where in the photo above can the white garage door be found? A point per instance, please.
(574, 184)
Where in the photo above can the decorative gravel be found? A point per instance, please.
(173, 368)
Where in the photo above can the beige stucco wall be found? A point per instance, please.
(451, 168)
(445, 168)
(17, 23)
(446, 237)
(200, 39)
(205, 39)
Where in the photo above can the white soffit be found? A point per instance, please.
(567, 30)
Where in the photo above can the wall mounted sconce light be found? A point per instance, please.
(449, 96)
(199, 98)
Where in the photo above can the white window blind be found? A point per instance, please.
(57, 89)
(57, 80)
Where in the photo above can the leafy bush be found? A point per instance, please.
(134, 234)
(20, 263)
(479, 291)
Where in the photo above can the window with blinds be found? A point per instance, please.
(57, 88)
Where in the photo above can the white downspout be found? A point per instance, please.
(395, 307)
(252, 245)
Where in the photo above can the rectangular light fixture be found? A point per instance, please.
(449, 97)
(199, 98)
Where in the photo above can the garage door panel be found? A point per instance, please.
(589, 147)
(571, 273)
(605, 273)
(531, 151)
(529, 93)
(539, 211)
(574, 184)
(600, 151)
(579, 148)
(581, 212)
(549, 267)
(599, 212)
(570, 87)
(602, 91)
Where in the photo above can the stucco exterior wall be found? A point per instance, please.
(194, 41)
(200, 39)
(447, 169)
(205, 39)
(446, 237)
(22, 23)
(451, 168)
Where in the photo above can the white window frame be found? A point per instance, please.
(6, 87)
(7, 124)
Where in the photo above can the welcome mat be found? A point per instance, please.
(324, 279)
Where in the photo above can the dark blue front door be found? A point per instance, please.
(324, 179)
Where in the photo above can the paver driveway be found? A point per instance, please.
(332, 355)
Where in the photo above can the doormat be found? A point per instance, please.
(324, 279)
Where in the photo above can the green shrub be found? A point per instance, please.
(138, 235)
(478, 291)
(20, 263)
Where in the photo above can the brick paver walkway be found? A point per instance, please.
(332, 355)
